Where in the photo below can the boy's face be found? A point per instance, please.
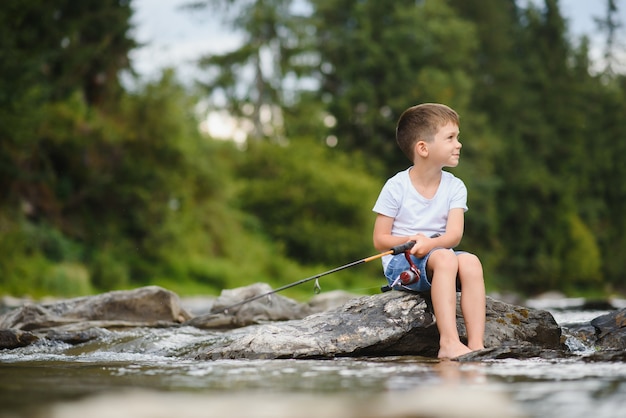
(445, 149)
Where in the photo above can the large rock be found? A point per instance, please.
(146, 306)
(230, 309)
(394, 323)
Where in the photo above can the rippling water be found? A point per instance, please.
(36, 378)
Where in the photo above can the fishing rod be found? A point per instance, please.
(398, 249)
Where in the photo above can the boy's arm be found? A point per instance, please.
(383, 240)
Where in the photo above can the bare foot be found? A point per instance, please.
(453, 350)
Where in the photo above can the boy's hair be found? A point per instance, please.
(421, 123)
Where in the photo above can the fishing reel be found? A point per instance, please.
(406, 278)
(410, 276)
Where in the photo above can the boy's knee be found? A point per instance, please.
(443, 257)
(470, 263)
(469, 258)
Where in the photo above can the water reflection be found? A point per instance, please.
(350, 388)
(455, 373)
(541, 387)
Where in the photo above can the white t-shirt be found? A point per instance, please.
(412, 212)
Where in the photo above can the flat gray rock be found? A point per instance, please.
(393, 323)
(146, 306)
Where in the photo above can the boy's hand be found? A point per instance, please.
(423, 245)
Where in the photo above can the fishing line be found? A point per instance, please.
(398, 249)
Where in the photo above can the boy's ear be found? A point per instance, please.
(421, 148)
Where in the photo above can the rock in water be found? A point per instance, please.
(14, 338)
(146, 306)
(611, 330)
(231, 310)
(394, 323)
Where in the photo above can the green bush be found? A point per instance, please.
(109, 269)
(582, 261)
(65, 279)
(313, 201)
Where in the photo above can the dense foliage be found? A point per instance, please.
(107, 188)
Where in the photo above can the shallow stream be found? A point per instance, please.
(36, 380)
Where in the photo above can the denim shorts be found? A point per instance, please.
(398, 264)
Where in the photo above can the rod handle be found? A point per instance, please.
(399, 249)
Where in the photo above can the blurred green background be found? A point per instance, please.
(106, 186)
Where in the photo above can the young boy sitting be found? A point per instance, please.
(427, 205)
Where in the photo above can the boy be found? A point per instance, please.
(426, 204)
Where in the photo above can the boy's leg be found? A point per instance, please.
(444, 265)
(473, 299)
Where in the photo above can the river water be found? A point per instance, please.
(144, 373)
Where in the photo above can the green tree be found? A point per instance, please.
(61, 46)
(606, 194)
(495, 71)
(535, 89)
(258, 79)
(378, 58)
(610, 25)
(49, 51)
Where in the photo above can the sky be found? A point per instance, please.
(176, 38)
